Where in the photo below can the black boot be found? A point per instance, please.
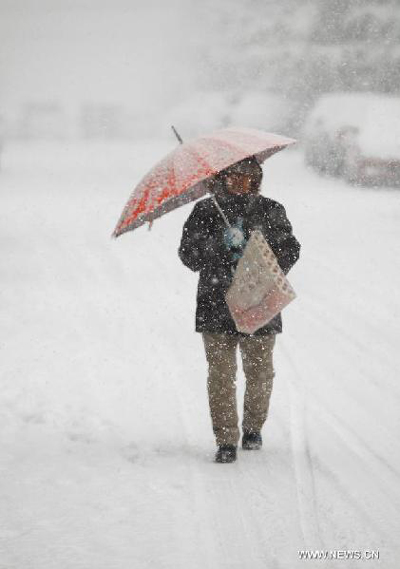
(226, 453)
(251, 441)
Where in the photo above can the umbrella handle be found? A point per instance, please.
(214, 199)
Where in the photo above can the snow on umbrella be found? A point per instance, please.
(178, 178)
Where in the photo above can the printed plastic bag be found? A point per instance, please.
(259, 290)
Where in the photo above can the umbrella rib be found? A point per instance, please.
(204, 163)
(215, 201)
(174, 174)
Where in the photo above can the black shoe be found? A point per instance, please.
(251, 441)
(226, 453)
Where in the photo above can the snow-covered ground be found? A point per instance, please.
(106, 444)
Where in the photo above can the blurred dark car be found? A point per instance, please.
(355, 136)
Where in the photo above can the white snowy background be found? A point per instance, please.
(106, 447)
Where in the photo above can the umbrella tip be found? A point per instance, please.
(177, 134)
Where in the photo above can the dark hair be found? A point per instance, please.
(248, 166)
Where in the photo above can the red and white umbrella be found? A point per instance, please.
(177, 178)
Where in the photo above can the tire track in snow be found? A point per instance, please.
(384, 483)
(239, 536)
(385, 434)
(372, 291)
(368, 518)
(315, 307)
(303, 467)
(387, 485)
(360, 447)
(273, 502)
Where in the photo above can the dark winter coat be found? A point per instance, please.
(203, 249)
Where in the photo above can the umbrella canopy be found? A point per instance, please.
(178, 178)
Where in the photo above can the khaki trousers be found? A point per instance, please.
(257, 358)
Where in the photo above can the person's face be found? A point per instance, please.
(238, 183)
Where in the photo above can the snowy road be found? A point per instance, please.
(106, 443)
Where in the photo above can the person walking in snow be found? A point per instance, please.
(208, 246)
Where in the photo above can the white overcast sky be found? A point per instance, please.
(142, 53)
